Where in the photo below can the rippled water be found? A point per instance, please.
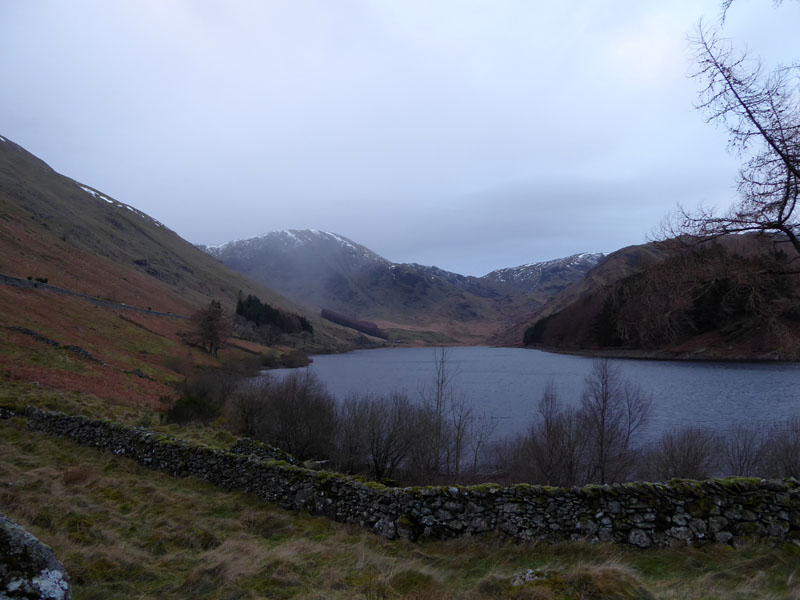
(507, 383)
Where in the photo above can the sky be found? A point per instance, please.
(467, 134)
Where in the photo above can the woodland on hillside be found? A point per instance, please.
(743, 292)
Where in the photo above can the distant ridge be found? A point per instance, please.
(326, 270)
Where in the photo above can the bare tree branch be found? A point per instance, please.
(761, 111)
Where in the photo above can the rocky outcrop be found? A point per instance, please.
(638, 514)
(28, 568)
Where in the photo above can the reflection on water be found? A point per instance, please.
(506, 384)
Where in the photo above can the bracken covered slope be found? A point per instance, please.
(79, 239)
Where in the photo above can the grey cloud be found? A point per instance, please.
(470, 135)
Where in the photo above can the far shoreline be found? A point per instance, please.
(659, 355)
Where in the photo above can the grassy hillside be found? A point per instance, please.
(123, 531)
(74, 237)
(84, 240)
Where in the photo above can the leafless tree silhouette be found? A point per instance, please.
(761, 111)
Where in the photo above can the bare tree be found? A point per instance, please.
(553, 451)
(389, 433)
(447, 421)
(296, 414)
(247, 410)
(615, 411)
(743, 451)
(761, 111)
(481, 430)
(351, 443)
(688, 453)
(782, 449)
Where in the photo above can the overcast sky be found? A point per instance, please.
(468, 134)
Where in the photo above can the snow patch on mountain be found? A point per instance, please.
(532, 274)
(95, 194)
(292, 238)
(99, 196)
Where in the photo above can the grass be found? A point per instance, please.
(124, 531)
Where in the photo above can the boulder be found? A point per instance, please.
(28, 568)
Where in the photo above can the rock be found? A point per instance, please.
(680, 533)
(639, 538)
(28, 568)
(386, 528)
(723, 537)
(530, 575)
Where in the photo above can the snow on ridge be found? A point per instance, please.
(2, 139)
(95, 194)
(100, 196)
(532, 270)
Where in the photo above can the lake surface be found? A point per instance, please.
(507, 383)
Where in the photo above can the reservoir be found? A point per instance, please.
(506, 384)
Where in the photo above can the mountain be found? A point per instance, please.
(737, 297)
(412, 301)
(544, 278)
(77, 264)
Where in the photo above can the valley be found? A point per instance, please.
(103, 313)
(416, 304)
(399, 300)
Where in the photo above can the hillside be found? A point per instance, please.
(733, 298)
(326, 270)
(76, 238)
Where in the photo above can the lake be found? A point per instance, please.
(507, 383)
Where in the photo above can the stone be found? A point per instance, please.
(639, 538)
(386, 528)
(680, 533)
(531, 575)
(749, 515)
(723, 537)
(699, 527)
(716, 524)
(28, 568)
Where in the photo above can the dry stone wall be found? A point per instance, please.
(640, 514)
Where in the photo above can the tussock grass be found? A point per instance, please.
(127, 532)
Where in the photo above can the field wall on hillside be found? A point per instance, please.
(640, 514)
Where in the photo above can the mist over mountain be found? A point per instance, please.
(325, 270)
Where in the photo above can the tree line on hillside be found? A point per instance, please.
(367, 327)
(695, 290)
(211, 325)
(261, 314)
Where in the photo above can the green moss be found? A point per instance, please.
(483, 488)
(738, 483)
(374, 485)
